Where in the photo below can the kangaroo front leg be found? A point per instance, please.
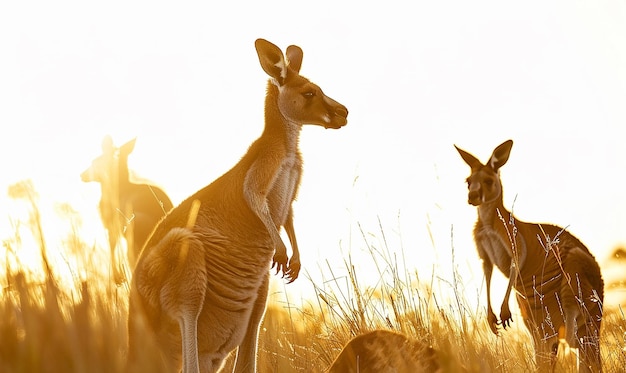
(173, 276)
(116, 267)
(246, 353)
(505, 312)
(256, 187)
(293, 268)
(491, 317)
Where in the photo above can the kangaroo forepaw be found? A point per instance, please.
(493, 322)
(506, 322)
(506, 318)
(280, 262)
(293, 270)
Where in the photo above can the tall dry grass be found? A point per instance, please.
(54, 322)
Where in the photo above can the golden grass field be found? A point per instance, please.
(68, 316)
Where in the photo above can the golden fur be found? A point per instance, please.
(201, 283)
(127, 209)
(558, 282)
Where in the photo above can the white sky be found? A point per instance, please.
(417, 77)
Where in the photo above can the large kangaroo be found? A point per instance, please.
(126, 208)
(558, 282)
(201, 282)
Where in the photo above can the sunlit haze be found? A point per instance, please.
(417, 78)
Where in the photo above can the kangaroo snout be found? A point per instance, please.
(474, 195)
(474, 198)
(338, 118)
(337, 114)
(342, 111)
(83, 177)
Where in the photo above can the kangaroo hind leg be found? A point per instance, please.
(175, 270)
(583, 293)
(247, 351)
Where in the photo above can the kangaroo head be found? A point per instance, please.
(299, 100)
(484, 183)
(107, 164)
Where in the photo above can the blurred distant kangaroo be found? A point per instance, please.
(201, 282)
(558, 282)
(125, 207)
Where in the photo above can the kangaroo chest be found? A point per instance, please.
(284, 188)
(493, 247)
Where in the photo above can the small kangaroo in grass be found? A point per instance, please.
(200, 285)
(386, 351)
(125, 207)
(558, 282)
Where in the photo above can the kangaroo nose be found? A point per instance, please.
(341, 111)
(473, 198)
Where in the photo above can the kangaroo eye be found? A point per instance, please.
(309, 94)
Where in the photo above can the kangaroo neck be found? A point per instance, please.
(492, 212)
(123, 176)
(117, 179)
(277, 127)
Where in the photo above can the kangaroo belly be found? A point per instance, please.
(233, 288)
(494, 248)
(221, 329)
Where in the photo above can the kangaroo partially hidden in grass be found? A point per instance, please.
(386, 351)
(558, 282)
(127, 209)
(200, 285)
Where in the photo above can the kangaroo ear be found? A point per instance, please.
(500, 155)
(128, 148)
(272, 60)
(294, 57)
(472, 161)
(107, 145)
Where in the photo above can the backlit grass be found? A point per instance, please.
(67, 315)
